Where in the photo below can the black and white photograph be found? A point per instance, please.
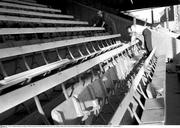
(89, 63)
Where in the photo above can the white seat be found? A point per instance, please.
(80, 107)
(67, 113)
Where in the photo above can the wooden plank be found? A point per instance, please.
(153, 116)
(25, 3)
(14, 5)
(39, 20)
(154, 103)
(14, 51)
(28, 75)
(20, 95)
(32, 13)
(6, 31)
(30, 1)
(20, 77)
(119, 113)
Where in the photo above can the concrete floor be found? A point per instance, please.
(172, 98)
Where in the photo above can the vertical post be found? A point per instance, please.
(3, 70)
(145, 23)
(132, 2)
(40, 110)
(152, 16)
(25, 62)
(167, 17)
(134, 21)
(64, 91)
(134, 24)
(44, 58)
(59, 57)
(178, 16)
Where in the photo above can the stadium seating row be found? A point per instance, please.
(42, 49)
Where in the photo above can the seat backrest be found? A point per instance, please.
(151, 91)
(67, 113)
(98, 89)
(119, 68)
(88, 103)
(112, 69)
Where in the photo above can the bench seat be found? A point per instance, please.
(152, 116)
(11, 31)
(154, 103)
(15, 51)
(28, 75)
(26, 7)
(32, 13)
(39, 20)
(25, 3)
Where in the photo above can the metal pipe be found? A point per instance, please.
(40, 110)
(167, 17)
(64, 91)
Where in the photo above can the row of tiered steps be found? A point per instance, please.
(57, 70)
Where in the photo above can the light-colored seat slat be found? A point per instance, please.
(20, 95)
(7, 52)
(153, 116)
(6, 31)
(30, 1)
(32, 13)
(9, 81)
(25, 3)
(28, 7)
(154, 103)
(39, 20)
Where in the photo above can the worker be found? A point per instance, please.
(98, 20)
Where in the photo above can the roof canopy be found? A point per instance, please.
(135, 4)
